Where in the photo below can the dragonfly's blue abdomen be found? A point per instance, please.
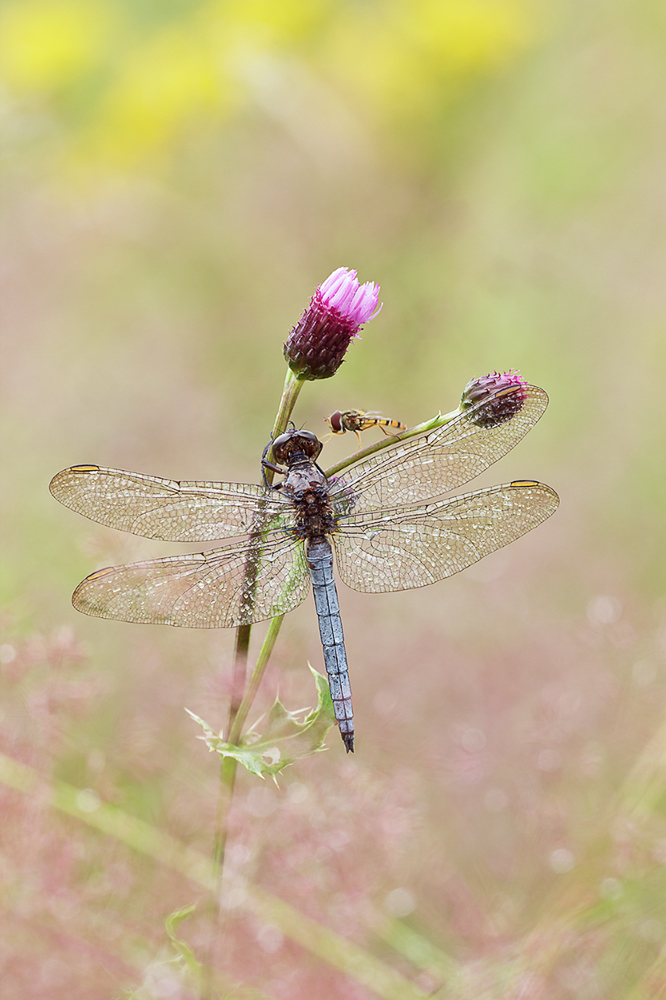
(320, 562)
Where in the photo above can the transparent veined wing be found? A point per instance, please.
(166, 509)
(433, 463)
(236, 584)
(417, 546)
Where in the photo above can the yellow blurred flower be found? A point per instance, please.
(417, 56)
(392, 64)
(46, 44)
(164, 82)
(268, 22)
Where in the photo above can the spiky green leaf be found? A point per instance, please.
(285, 738)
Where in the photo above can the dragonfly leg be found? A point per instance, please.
(265, 464)
(274, 468)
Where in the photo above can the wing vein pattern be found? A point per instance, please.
(205, 589)
(400, 549)
(436, 462)
(167, 509)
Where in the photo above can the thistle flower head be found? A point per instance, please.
(504, 394)
(317, 344)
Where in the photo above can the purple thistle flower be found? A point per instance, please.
(505, 394)
(317, 344)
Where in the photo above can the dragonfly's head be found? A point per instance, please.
(292, 444)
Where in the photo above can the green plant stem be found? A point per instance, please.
(227, 786)
(255, 680)
(240, 704)
(290, 393)
(239, 672)
(387, 442)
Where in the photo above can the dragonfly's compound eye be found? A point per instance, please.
(282, 446)
(288, 444)
(309, 443)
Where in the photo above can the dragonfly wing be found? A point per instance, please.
(435, 462)
(166, 509)
(414, 547)
(236, 584)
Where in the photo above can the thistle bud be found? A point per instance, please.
(503, 394)
(317, 344)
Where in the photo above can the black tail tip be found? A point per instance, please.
(348, 740)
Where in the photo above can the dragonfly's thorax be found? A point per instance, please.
(307, 488)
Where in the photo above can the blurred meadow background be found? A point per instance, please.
(177, 178)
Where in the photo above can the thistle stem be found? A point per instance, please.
(240, 703)
(255, 679)
(292, 387)
(240, 671)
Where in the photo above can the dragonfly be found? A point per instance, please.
(385, 517)
(359, 420)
